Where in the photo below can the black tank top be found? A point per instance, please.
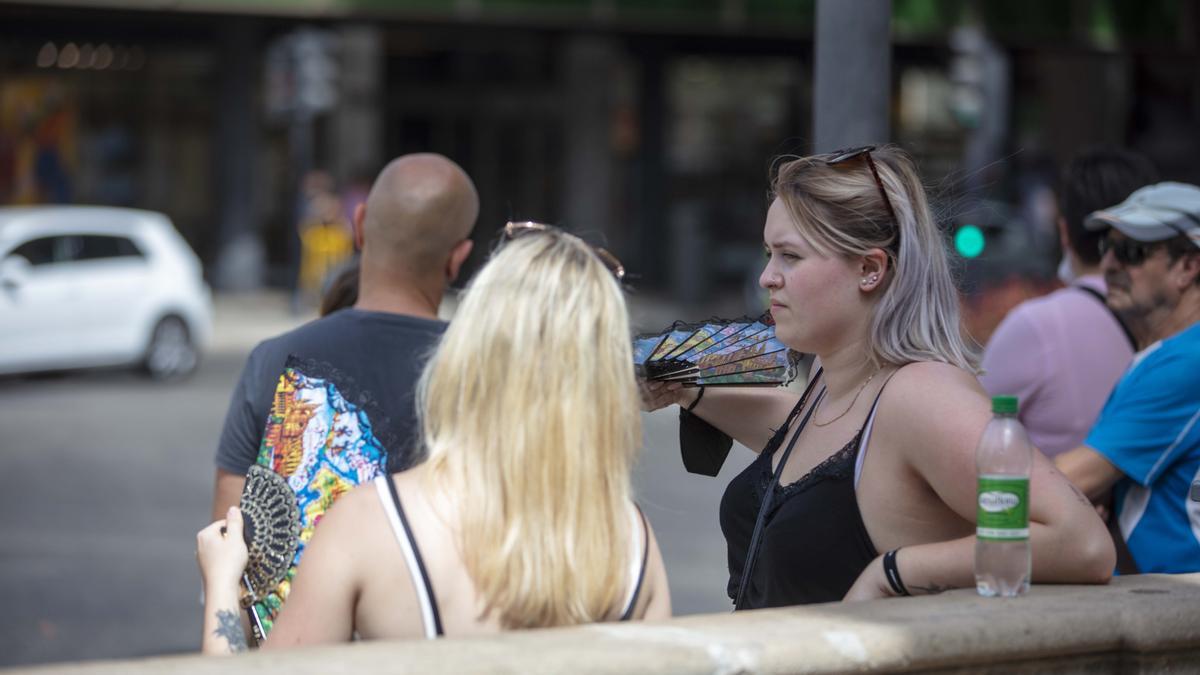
(814, 543)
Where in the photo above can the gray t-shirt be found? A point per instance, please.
(375, 360)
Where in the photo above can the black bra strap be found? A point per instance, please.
(637, 588)
(437, 617)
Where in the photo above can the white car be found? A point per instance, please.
(84, 286)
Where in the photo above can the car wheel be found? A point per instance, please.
(171, 353)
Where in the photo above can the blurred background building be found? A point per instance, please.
(649, 123)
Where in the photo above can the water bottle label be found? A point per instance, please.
(1003, 513)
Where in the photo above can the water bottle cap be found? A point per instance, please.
(1004, 405)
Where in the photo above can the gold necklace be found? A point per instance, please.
(849, 407)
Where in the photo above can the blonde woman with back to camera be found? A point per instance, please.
(522, 515)
(883, 441)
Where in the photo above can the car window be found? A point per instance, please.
(98, 247)
(38, 251)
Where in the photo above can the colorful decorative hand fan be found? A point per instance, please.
(320, 445)
(717, 352)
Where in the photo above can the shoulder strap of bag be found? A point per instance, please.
(752, 551)
(1099, 296)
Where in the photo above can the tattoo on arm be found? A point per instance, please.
(229, 626)
(1083, 499)
(932, 589)
(1079, 494)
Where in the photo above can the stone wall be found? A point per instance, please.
(1143, 624)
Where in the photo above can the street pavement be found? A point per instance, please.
(108, 476)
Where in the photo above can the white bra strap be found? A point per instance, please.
(635, 559)
(406, 547)
(863, 444)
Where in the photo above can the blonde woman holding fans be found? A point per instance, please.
(876, 495)
(522, 516)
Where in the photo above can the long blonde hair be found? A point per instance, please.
(838, 210)
(529, 413)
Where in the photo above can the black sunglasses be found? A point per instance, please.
(1129, 252)
(513, 230)
(839, 156)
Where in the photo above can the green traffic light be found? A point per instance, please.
(968, 241)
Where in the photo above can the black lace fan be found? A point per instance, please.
(717, 352)
(271, 527)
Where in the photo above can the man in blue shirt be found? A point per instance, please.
(1146, 445)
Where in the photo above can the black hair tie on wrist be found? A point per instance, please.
(893, 573)
(698, 397)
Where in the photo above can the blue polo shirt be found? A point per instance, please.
(1150, 430)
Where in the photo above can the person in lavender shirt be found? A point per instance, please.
(1062, 353)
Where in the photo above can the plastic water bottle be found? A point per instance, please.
(1003, 459)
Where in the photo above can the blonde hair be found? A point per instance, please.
(838, 210)
(529, 413)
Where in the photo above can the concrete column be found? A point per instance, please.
(240, 258)
(650, 174)
(853, 73)
(589, 65)
(356, 141)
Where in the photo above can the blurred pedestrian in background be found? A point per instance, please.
(342, 290)
(1062, 353)
(869, 472)
(326, 240)
(1146, 444)
(414, 232)
(522, 517)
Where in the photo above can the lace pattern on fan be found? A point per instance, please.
(273, 528)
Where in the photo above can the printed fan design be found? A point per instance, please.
(717, 352)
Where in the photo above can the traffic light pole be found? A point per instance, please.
(853, 55)
(300, 142)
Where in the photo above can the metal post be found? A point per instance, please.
(356, 141)
(240, 257)
(589, 65)
(853, 73)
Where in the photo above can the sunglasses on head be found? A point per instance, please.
(840, 156)
(514, 230)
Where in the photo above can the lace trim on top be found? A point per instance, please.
(838, 466)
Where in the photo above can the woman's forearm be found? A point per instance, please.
(926, 569)
(223, 632)
(1057, 557)
(749, 414)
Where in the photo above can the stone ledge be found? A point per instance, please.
(1148, 623)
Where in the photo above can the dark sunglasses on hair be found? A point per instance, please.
(513, 230)
(839, 156)
(1129, 252)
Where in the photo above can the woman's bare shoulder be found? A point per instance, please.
(918, 384)
(927, 398)
(353, 511)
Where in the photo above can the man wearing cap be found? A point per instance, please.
(1146, 444)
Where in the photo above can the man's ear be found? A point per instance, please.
(1188, 269)
(360, 215)
(458, 256)
(872, 269)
